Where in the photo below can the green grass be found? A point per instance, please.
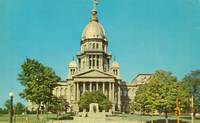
(31, 118)
(148, 118)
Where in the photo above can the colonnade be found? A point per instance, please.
(107, 88)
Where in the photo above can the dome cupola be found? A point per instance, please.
(72, 64)
(115, 64)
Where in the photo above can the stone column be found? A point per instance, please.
(103, 87)
(100, 62)
(90, 86)
(113, 92)
(113, 96)
(78, 92)
(83, 87)
(119, 97)
(74, 88)
(110, 97)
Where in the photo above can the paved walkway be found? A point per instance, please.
(93, 120)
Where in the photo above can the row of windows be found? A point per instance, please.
(93, 46)
(61, 91)
(115, 72)
(93, 61)
(72, 71)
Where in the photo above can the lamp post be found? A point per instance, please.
(178, 109)
(192, 108)
(11, 107)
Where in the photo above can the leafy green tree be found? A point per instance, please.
(94, 97)
(160, 93)
(3, 111)
(19, 108)
(134, 107)
(192, 81)
(38, 81)
(58, 105)
(7, 105)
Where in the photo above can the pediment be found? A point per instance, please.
(94, 74)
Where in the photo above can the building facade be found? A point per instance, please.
(94, 70)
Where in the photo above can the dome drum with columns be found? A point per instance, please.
(93, 70)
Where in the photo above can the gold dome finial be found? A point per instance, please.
(94, 10)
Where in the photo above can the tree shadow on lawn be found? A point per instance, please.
(189, 118)
(62, 118)
(169, 121)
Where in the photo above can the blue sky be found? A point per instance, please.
(144, 35)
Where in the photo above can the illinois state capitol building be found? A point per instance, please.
(94, 70)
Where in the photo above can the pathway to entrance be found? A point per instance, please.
(89, 120)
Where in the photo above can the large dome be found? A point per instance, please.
(93, 30)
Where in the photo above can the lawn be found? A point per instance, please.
(157, 118)
(30, 118)
(43, 118)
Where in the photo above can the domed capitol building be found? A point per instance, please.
(94, 70)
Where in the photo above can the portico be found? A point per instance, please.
(107, 88)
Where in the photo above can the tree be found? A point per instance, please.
(160, 93)
(3, 111)
(38, 81)
(58, 105)
(19, 108)
(134, 107)
(7, 105)
(94, 97)
(192, 82)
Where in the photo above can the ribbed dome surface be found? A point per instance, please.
(115, 64)
(72, 64)
(93, 30)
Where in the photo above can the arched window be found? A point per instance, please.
(71, 71)
(93, 46)
(93, 60)
(97, 61)
(90, 61)
(97, 46)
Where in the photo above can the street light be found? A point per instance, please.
(11, 106)
(192, 108)
(178, 109)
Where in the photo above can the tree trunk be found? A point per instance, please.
(38, 109)
(166, 117)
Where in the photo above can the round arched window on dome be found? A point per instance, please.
(93, 46)
(97, 46)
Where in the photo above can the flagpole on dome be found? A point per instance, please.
(94, 10)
